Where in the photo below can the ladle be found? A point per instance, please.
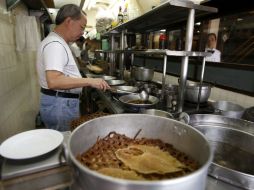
(144, 96)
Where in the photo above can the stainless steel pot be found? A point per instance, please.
(181, 136)
(192, 91)
(228, 109)
(125, 99)
(232, 141)
(142, 73)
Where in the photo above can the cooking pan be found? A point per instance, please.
(181, 136)
(232, 141)
(121, 90)
(115, 82)
(105, 77)
(126, 100)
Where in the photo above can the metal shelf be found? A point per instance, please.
(160, 52)
(165, 15)
(170, 14)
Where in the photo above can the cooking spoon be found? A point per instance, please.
(144, 95)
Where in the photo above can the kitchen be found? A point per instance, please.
(20, 89)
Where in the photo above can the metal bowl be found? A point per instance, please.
(142, 73)
(192, 90)
(152, 100)
(232, 141)
(228, 109)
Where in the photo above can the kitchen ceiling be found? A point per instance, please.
(91, 7)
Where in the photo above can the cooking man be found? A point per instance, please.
(59, 77)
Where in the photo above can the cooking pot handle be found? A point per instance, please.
(64, 155)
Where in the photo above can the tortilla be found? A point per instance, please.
(148, 159)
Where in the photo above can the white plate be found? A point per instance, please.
(31, 143)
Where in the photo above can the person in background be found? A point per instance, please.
(58, 74)
(211, 47)
(84, 53)
(77, 49)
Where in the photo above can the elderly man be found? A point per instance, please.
(59, 77)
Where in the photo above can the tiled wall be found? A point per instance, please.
(216, 93)
(18, 82)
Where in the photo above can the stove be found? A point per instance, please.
(15, 168)
(204, 108)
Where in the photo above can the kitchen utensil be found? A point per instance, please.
(119, 91)
(127, 99)
(130, 89)
(228, 109)
(106, 77)
(30, 144)
(115, 82)
(142, 73)
(192, 90)
(181, 136)
(144, 95)
(232, 141)
(123, 89)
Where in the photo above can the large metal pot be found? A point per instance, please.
(142, 73)
(192, 91)
(181, 136)
(232, 141)
(228, 109)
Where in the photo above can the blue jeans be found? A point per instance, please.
(57, 112)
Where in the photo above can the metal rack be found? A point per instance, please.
(166, 15)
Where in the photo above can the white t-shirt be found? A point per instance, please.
(215, 57)
(55, 54)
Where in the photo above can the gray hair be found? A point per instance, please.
(69, 10)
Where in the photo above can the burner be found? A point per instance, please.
(204, 108)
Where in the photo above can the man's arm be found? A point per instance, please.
(58, 81)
